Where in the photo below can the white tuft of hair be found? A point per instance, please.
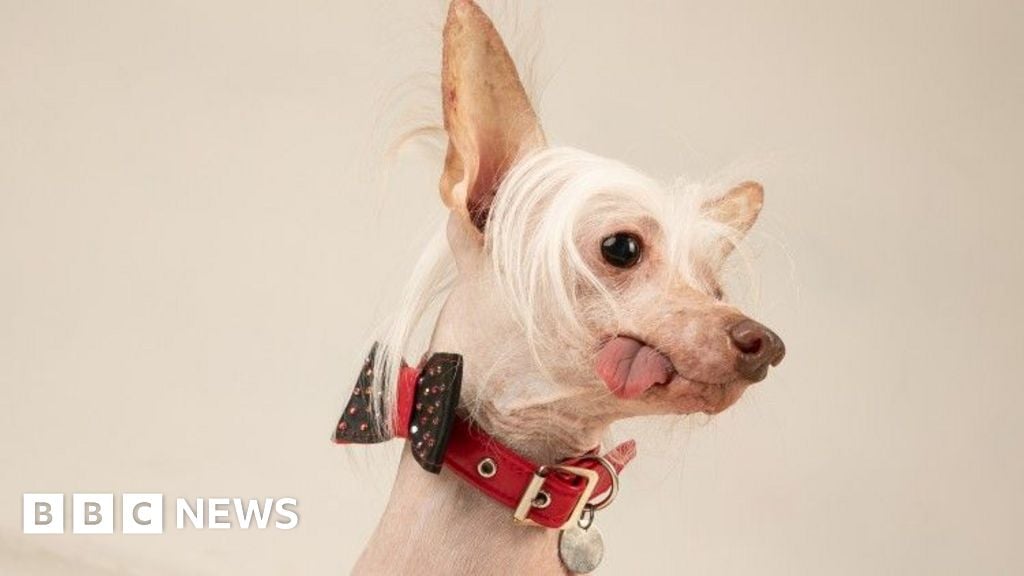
(543, 205)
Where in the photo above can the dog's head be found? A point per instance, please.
(577, 269)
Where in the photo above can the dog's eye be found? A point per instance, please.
(621, 250)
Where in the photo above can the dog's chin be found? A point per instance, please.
(683, 396)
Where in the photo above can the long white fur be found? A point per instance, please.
(531, 238)
(532, 235)
(430, 281)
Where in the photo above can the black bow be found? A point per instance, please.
(430, 399)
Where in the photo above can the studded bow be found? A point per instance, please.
(424, 413)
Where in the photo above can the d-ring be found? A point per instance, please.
(613, 491)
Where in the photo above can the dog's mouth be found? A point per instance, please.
(630, 367)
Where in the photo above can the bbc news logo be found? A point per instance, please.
(144, 513)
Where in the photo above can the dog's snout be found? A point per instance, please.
(758, 349)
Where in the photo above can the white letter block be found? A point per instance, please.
(42, 513)
(92, 513)
(142, 513)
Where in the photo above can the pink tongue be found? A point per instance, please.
(630, 367)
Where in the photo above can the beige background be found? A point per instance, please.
(192, 253)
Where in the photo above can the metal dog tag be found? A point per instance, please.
(581, 549)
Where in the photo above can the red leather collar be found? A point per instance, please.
(553, 495)
(506, 477)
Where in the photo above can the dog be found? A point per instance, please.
(576, 292)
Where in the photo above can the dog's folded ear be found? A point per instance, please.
(737, 209)
(487, 114)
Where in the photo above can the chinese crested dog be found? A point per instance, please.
(576, 292)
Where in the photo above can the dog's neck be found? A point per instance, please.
(504, 391)
(439, 524)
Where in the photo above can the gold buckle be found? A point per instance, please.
(533, 488)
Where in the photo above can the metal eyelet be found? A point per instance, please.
(542, 500)
(486, 468)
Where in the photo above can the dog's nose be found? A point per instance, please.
(758, 349)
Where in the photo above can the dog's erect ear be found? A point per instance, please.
(487, 114)
(738, 209)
